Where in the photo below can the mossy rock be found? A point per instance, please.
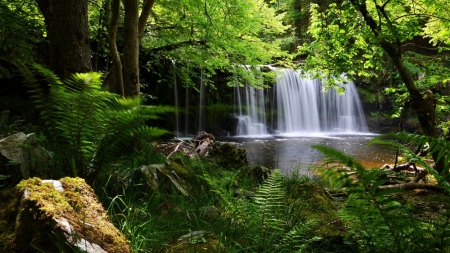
(169, 177)
(59, 216)
(228, 155)
(256, 173)
(9, 206)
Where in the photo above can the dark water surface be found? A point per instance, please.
(295, 153)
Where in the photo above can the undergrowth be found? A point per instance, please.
(380, 219)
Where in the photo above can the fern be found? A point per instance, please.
(269, 200)
(380, 221)
(87, 127)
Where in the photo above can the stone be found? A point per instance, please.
(168, 176)
(228, 155)
(60, 216)
(244, 193)
(256, 173)
(25, 150)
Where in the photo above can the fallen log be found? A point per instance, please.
(408, 167)
(411, 186)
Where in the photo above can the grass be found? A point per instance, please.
(155, 221)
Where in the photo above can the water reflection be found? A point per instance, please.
(291, 154)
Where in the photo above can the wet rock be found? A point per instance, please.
(61, 216)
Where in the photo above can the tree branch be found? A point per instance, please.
(146, 9)
(411, 186)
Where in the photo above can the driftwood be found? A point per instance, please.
(408, 167)
(202, 142)
(170, 148)
(200, 145)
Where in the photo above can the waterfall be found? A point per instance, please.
(175, 88)
(293, 106)
(201, 113)
(297, 104)
(304, 108)
(250, 100)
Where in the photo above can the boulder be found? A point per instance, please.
(228, 155)
(168, 176)
(24, 149)
(256, 173)
(59, 216)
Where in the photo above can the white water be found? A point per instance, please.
(201, 113)
(251, 116)
(302, 107)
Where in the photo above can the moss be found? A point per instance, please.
(77, 203)
(9, 204)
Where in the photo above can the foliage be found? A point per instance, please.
(231, 36)
(19, 32)
(380, 221)
(439, 146)
(341, 41)
(87, 127)
(267, 220)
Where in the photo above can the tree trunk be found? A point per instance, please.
(116, 70)
(130, 59)
(68, 34)
(126, 69)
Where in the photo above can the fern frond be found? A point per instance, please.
(88, 126)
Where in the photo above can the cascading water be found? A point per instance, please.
(201, 113)
(304, 108)
(253, 121)
(297, 107)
